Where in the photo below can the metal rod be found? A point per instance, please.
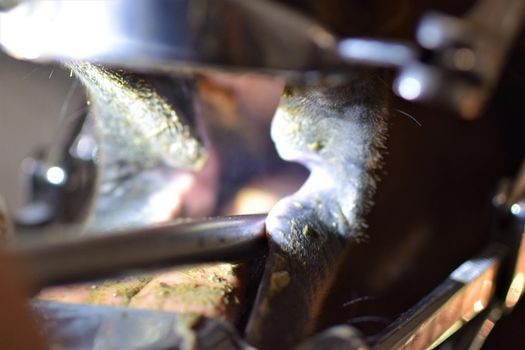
(441, 313)
(204, 240)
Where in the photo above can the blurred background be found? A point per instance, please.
(35, 101)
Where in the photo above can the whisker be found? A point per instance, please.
(63, 110)
(52, 71)
(409, 116)
(30, 73)
(357, 300)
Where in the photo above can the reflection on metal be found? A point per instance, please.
(377, 52)
(196, 32)
(458, 300)
(45, 31)
(467, 54)
(516, 209)
(515, 291)
(60, 184)
(6, 225)
(409, 88)
(510, 233)
(514, 237)
(493, 315)
(197, 241)
(518, 281)
(56, 175)
(463, 63)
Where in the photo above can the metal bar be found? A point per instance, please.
(377, 53)
(456, 301)
(474, 334)
(205, 240)
(183, 32)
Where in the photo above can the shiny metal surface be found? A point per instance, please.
(230, 33)
(204, 240)
(464, 54)
(7, 4)
(61, 181)
(467, 56)
(516, 287)
(458, 300)
(377, 52)
(477, 294)
(510, 202)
